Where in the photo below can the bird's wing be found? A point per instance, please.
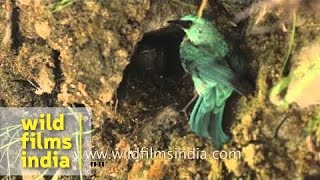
(206, 117)
(217, 73)
(210, 68)
(238, 63)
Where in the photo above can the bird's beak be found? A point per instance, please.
(181, 23)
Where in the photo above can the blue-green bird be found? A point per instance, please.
(216, 72)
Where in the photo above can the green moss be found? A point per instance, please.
(314, 123)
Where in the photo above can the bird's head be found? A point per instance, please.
(196, 28)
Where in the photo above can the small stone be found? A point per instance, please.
(42, 29)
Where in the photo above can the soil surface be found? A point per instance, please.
(120, 58)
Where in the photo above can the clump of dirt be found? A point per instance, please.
(272, 139)
(67, 56)
(120, 58)
(92, 42)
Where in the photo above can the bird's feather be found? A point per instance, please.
(214, 68)
(206, 117)
(208, 66)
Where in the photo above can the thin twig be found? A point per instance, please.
(279, 126)
(202, 7)
(116, 104)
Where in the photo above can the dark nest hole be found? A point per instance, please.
(155, 79)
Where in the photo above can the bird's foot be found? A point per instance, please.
(184, 110)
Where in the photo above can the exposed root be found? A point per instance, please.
(283, 9)
(266, 6)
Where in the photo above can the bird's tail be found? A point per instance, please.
(206, 118)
